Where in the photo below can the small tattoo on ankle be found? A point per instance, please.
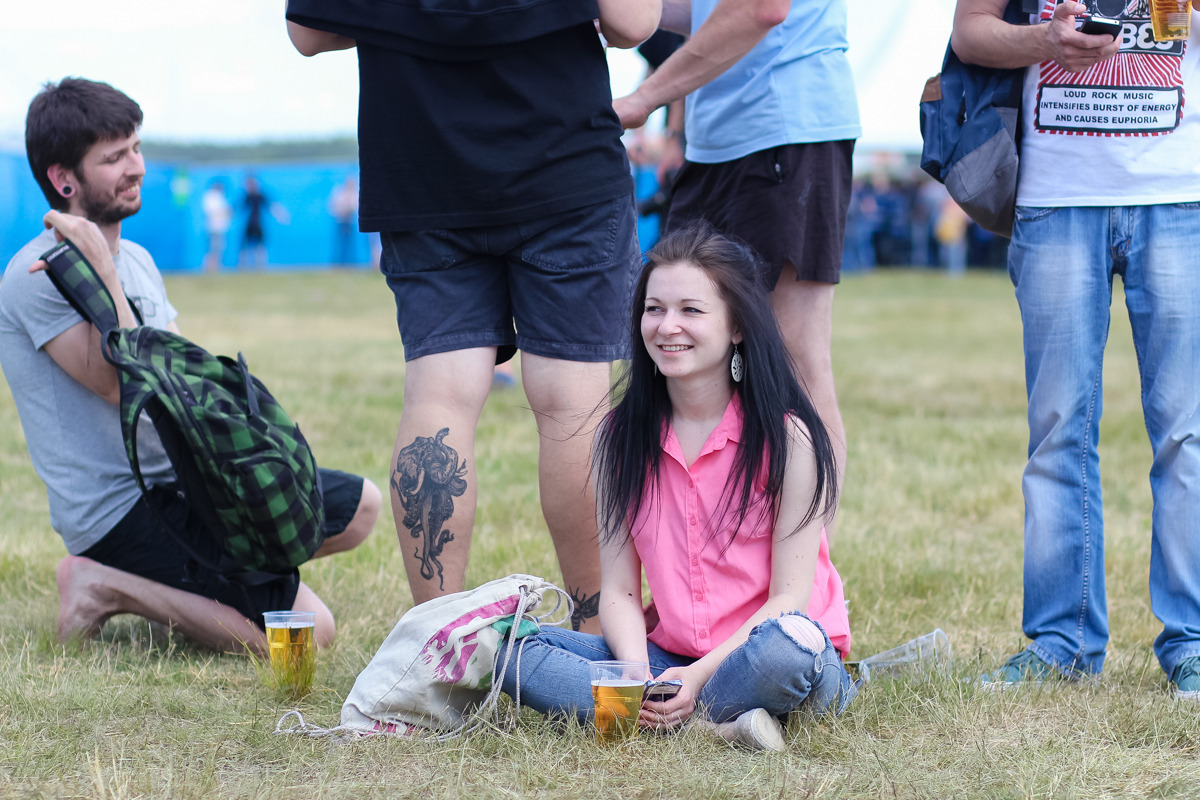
(427, 477)
(585, 607)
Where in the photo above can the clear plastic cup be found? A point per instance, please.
(1171, 19)
(617, 688)
(920, 656)
(293, 653)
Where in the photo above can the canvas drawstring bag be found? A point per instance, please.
(434, 670)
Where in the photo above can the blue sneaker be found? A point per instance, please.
(1186, 679)
(1025, 668)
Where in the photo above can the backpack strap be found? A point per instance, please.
(133, 416)
(248, 385)
(131, 449)
(77, 281)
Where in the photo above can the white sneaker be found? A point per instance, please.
(755, 729)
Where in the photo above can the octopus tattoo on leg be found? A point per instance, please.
(427, 478)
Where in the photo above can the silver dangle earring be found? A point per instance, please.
(737, 367)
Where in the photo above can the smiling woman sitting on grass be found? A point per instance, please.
(714, 475)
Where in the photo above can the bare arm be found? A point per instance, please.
(733, 29)
(981, 36)
(621, 617)
(628, 23)
(77, 349)
(310, 42)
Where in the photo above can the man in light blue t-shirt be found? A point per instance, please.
(83, 145)
(771, 119)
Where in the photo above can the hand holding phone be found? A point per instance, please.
(657, 691)
(1094, 26)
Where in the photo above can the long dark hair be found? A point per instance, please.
(628, 445)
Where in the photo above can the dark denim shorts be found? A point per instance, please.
(559, 286)
(139, 545)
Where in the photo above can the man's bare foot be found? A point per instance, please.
(82, 610)
(90, 592)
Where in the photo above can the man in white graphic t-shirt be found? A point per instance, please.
(1109, 185)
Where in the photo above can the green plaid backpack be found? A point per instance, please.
(241, 462)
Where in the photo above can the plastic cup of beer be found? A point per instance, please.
(1171, 19)
(617, 688)
(293, 654)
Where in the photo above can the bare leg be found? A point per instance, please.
(307, 600)
(89, 593)
(563, 396)
(805, 313)
(361, 524)
(434, 484)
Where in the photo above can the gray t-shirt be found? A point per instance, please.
(74, 436)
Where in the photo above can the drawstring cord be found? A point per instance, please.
(491, 701)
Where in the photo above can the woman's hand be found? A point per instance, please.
(673, 712)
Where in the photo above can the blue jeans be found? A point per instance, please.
(771, 670)
(1062, 262)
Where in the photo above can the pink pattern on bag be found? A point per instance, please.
(397, 728)
(452, 664)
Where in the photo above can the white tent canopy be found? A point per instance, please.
(894, 48)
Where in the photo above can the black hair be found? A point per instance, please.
(66, 119)
(629, 441)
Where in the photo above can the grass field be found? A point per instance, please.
(931, 385)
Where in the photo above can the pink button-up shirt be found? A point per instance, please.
(704, 588)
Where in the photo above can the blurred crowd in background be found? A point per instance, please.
(303, 213)
(898, 217)
(912, 221)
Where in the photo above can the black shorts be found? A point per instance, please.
(788, 203)
(139, 545)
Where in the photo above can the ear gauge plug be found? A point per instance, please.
(67, 190)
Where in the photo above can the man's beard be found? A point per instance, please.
(106, 209)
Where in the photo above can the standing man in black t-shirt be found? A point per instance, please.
(492, 166)
(254, 247)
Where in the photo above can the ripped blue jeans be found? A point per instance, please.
(771, 670)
